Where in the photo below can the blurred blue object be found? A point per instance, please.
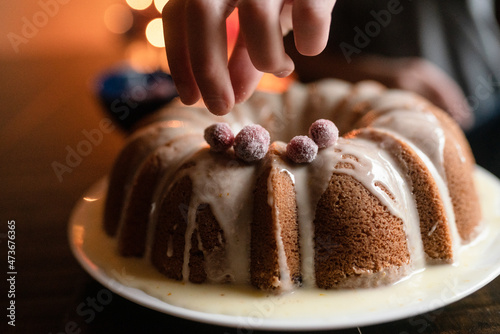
(127, 95)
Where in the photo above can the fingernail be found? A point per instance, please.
(217, 106)
(283, 74)
(183, 95)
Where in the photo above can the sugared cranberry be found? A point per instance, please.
(219, 136)
(252, 143)
(301, 149)
(324, 133)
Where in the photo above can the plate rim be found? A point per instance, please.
(140, 297)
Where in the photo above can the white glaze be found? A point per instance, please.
(441, 282)
(440, 180)
(285, 281)
(421, 128)
(282, 116)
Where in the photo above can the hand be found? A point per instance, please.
(196, 46)
(412, 73)
(428, 80)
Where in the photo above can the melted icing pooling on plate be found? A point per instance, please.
(309, 308)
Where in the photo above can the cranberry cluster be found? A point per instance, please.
(322, 133)
(252, 142)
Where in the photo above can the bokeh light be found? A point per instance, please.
(145, 58)
(118, 18)
(139, 4)
(154, 33)
(159, 4)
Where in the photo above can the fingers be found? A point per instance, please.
(196, 45)
(260, 26)
(244, 76)
(311, 25)
(207, 46)
(434, 84)
(450, 97)
(174, 32)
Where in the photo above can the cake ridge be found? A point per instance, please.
(214, 218)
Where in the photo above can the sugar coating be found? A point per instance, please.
(252, 143)
(324, 133)
(301, 149)
(219, 136)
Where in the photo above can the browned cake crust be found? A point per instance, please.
(171, 228)
(434, 228)
(353, 108)
(207, 239)
(358, 242)
(197, 273)
(138, 204)
(355, 236)
(459, 165)
(139, 146)
(211, 250)
(264, 264)
(132, 241)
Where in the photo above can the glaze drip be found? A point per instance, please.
(222, 186)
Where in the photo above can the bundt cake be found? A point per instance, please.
(394, 194)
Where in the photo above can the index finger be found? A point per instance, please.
(261, 29)
(174, 32)
(311, 25)
(207, 44)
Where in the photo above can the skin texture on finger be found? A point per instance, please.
(260, 26)
(174, 32)
(286, 18)
(311, 25)
(207, 44)
(244, 76)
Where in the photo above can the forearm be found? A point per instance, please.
(334, 65)
(413, 74)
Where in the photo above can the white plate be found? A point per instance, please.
(302, 310)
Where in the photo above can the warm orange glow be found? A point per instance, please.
(139, 4)
(154, 33)
(118, 18)
(174, 124)
(232, 27)
(159, 4)
(274, 84)
(77, 234)
(145, 58)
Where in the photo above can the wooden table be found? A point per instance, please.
(45, 106)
